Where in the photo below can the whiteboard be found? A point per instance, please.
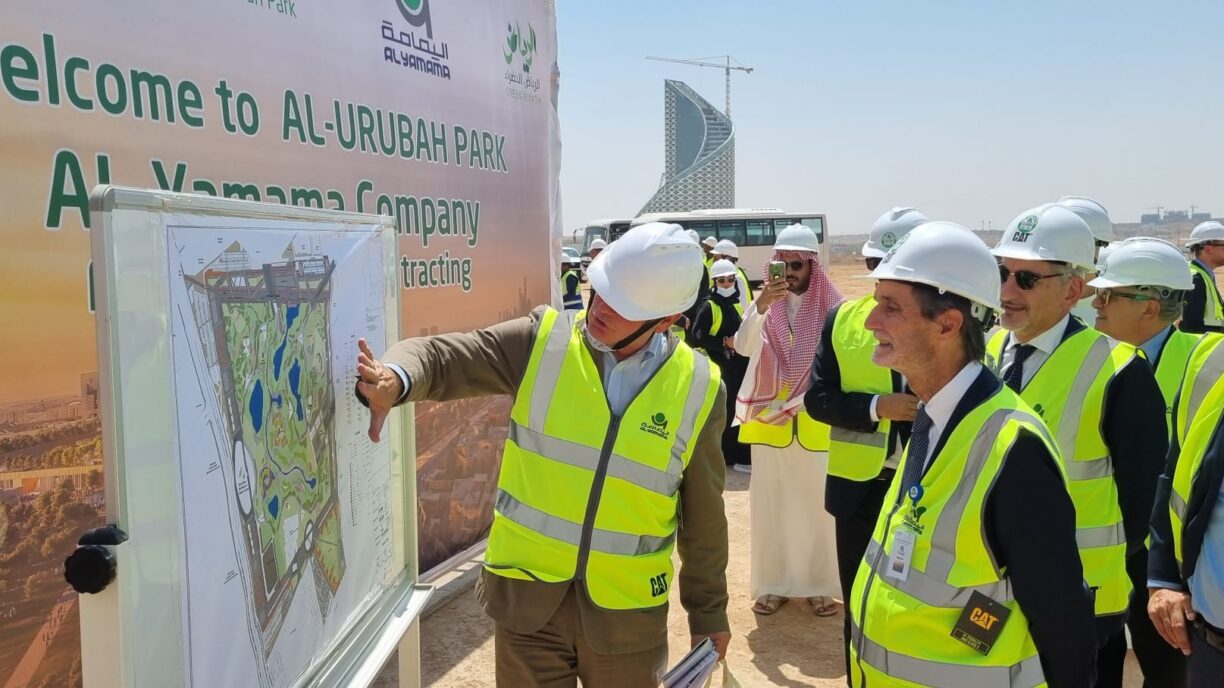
(271, 544)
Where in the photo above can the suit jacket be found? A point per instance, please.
(492, 361)
(1196, 308)
(1029, 522)
(827, 402)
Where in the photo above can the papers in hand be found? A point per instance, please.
(695, 669)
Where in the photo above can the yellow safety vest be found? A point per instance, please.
(1171, 367)
(1200, 404)
(585, 495)
(716, 318)
(571, 301)
(901, 629)
(1068, 392)
(1214, 314)
(747, 284)
(858, 455)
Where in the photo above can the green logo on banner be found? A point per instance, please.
(518, 43)
(416, 12)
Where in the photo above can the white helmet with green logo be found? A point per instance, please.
(889, 228)
(948, 257)
(1049, 232)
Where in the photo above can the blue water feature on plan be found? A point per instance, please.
(256, 406)
(274, 506)
(295, 385)
(291, 314)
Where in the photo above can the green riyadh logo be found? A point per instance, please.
(896, 244)
(888, 240)
(1025, 228)
(519, 44)
(416, 12)
(657, 426)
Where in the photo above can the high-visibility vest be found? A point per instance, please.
(571, 291)
(858, 455)
(1171, 367)
(1199, 406)
(716, 318)
(588, 496)
(901, 629)
(812, 435)
(1068, 392)
(747, 285)
(1214, 314)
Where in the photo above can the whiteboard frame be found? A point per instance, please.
(143, 610)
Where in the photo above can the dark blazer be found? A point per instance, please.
(826, 402)
(1029, 521)
(1196, 308)
(1162, 565)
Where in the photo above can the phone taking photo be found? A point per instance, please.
(777, 270)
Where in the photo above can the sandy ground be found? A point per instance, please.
(791, 648)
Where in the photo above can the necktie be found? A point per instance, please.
(1014, 377)
(916, 452)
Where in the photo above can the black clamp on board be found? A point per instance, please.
(91, 567)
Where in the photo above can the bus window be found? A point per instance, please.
(703, 229)
(817, 225)
(759, 233)
(733, 230)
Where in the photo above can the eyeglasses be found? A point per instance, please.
(1025, 279)
(1107, 294)
(873, 263)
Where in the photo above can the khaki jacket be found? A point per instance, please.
(493, 361)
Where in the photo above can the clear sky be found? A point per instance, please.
(972, 111)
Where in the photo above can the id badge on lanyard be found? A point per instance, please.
(904, 538)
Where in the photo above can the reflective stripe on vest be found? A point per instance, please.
(900, 628)
(572, 301)
(586, 495)
(1068, 392)
(716, 320)
(858, 455)
(1198, 422)
(1214, 307)
(1171, 368)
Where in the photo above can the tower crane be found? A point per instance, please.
(726, 66)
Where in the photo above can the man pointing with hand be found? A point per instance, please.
(612, 460)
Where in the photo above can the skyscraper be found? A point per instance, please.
(699, 154)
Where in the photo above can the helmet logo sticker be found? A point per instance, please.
(888, 239)
(1025, 229)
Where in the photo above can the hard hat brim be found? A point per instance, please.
(793, 247)
(601, 285)
(996, 305)
(870, 251)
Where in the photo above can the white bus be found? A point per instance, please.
(752, 229)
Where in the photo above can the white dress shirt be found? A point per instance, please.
(943, 403)
(1044, 343)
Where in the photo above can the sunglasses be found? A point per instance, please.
(724, 280)
(1025, 279)
(796, 265)
(1107, 294)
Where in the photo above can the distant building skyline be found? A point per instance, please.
(698, 154)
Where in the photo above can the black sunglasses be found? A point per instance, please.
(796, 265)
(1025, 279)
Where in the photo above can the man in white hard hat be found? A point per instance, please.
(1100, 400)
(597, 246)
(571, 283)
(1097, 218)
(793, 551)
(1205, 308)
(1186, 565)
(972, 577)
(612, 459)
(726, 249)
(707, 245)
(867, 408)
(1139, 294)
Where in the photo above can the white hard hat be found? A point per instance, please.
(726, 247)
(1206, 231)
(1145, 262)
(890, 227)
(710, 241)
(1048, 232)
(573, 260)
(1093, 213)
(598, 244)
(1104, 253)
(692, 234)
(653, 271)
(797, 237)
(722, 268)
(947, 256)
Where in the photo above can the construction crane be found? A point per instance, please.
(726, 67)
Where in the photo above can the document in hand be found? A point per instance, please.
(695, 669)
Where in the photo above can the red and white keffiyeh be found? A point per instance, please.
(784, 366)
